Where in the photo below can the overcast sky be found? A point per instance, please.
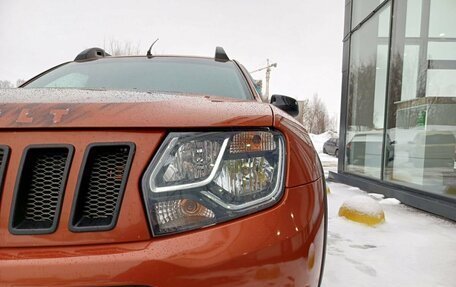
(304, 37)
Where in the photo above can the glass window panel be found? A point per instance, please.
(366, 101)
(362, 8)
(410, 72)
(413, 22)
(442, 19)
(441, 83)
(442, 50)
(384, 25)
(380, 86)
(422, 125)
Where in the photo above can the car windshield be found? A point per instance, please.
(159, 74)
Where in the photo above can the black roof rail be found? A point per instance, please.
(220, 55)
(91, 54)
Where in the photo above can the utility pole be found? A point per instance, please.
(268, 77)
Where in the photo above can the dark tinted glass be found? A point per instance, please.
(160, 74)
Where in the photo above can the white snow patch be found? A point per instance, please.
(319, 140)
(390, 201)
(329, 162)
(364, 205)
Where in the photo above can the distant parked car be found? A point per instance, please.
(331, 146)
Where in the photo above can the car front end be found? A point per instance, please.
(127, 188)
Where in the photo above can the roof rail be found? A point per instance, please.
(91, 54)
(220, 55)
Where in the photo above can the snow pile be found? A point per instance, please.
(364, 205)
(390, 201)
(319, 140)
(362, 209)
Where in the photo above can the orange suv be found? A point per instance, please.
(156, 171)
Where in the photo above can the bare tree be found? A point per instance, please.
(118, 48)
(332, 123)
(19, 82)
(303, 108)
(6, 85)
(316, 118)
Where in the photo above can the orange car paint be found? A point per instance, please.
(270, 248)
(279, 246)
(177, 112)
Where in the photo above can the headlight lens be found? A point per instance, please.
(199, 179)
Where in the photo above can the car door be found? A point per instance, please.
(331, 147)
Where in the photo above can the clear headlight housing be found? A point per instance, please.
(200, 179)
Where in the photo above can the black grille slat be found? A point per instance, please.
(39, 189)
(45, 186)
(104, 183)
(101, 186)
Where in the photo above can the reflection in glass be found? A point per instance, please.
(422, 98)
(362, 8)
(442, 19)
(366, 101)
(413, 18)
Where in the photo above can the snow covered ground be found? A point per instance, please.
(329, 162)
(412, 248)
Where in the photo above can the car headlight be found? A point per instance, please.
(199, 179)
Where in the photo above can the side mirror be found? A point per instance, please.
(286, 104)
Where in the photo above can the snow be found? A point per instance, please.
(328, 161)
(410, 249)
(364, 205)
(391, 201)
(328, 158)
(319, 140)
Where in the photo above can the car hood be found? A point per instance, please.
(74, 108)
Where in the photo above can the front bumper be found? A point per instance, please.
(281, 246)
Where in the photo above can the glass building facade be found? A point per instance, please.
(398, 114)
